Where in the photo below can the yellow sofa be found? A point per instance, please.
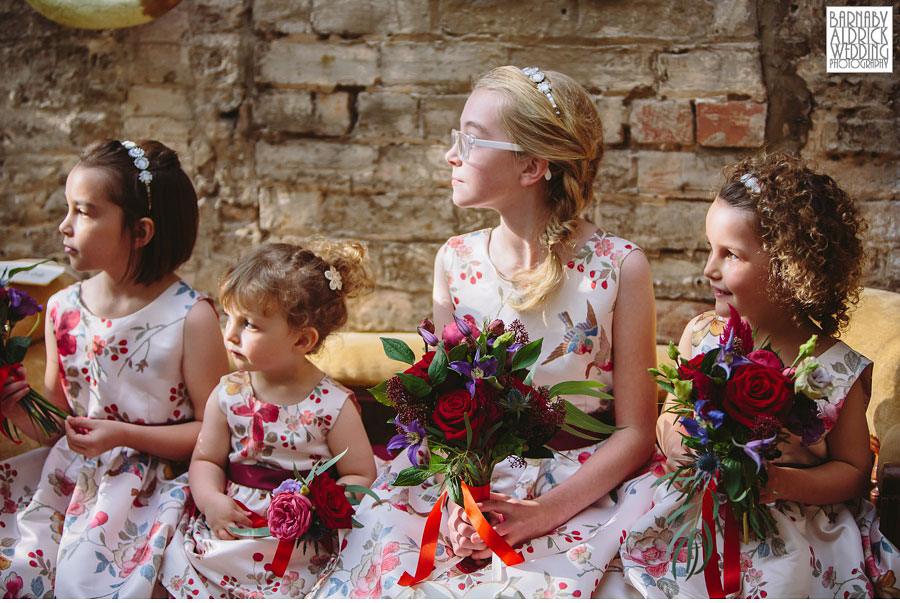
(358, 361)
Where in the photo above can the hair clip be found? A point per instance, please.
(751, 183)
(540, 80)
(142, 164)
(334, 278)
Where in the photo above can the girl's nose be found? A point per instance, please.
(711, 269)
(65, 227)
(452, 156)
(231, 332)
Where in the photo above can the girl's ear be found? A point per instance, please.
(307, 338)
(534, 170)
(143, 232)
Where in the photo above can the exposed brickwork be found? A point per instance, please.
(297, 118)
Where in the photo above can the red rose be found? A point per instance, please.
(766, 358)
(452, 407)
(420, 368)
(330, 502)
(755, 391)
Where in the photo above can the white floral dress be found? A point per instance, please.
(577, 345)
(828, 551)
(79, 527)
(267, 437)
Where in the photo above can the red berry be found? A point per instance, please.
(123, 350)
(114, 357)
(123, 342)
(604, 284)
(257, 557)
(576, 593)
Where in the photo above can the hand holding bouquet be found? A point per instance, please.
(305, 509)
(16, 305)
(736, 404)
(470, 399)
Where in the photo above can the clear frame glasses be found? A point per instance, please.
(464, 143)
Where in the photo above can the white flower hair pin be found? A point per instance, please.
(751, 183)
(141, 163)
(334, 278)
(543, 85)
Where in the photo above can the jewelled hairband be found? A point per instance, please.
(334, 278)
(141, 163)
(543, 85)
(751, 183)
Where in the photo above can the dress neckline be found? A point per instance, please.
(88, 311)
(599, 234)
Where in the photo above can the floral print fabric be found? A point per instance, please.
(197, 563)
(577, 344)
(828, 551)
(79, 527)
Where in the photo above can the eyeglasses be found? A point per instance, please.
(464, 143)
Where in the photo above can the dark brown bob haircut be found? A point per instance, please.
(172, 204)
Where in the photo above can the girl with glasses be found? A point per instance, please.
(528, 147)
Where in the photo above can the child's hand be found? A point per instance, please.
(14, 389)
(93, 437)
(463, 537)
(774, 488)
(222, 513)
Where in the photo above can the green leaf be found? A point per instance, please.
(731, 477)
(411, 476)
(319, 469)
(454, 489)
(14, 271)
(458, 353)
(416, 386)
(251, 532)
(362, 490)
(16, 347)
(437, 370)
(579, 388)
(577, 418)
(396, 349)
(380, 393)
(526, 355)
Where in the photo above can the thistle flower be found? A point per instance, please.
(708, 463)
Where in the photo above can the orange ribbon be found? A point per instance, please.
(427, 551)
(732, 546)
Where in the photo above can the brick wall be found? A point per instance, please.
(296, 118)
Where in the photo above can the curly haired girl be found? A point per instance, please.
(786, 253)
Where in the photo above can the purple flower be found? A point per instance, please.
(288, 485)
(411, 439)
(694, 430)
(21, 304)
(478, 369)
(754, 447)
(426, 330)
(712, 416)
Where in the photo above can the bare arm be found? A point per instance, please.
(204, 362)
(441, 301)
(844, 476)
(635, 407)
(357, 466)
(668, 432)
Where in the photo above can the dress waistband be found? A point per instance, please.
(259, 476)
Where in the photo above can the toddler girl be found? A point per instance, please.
(276, 414)
(130, 351)
(785, 252)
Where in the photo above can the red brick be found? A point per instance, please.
(731, 124)
(659, 122)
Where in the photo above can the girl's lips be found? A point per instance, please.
(720, 293)
(69, 250)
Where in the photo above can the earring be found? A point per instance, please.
(547, 175)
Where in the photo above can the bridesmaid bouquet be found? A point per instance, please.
(471, 402)
(736, 404)
(16, 305)
(305, 510)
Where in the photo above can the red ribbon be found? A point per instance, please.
(732, 545)
(4, 372)
(285, 547)
(427, 551)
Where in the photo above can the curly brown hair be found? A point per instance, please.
(291, 280)
(811, 229)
